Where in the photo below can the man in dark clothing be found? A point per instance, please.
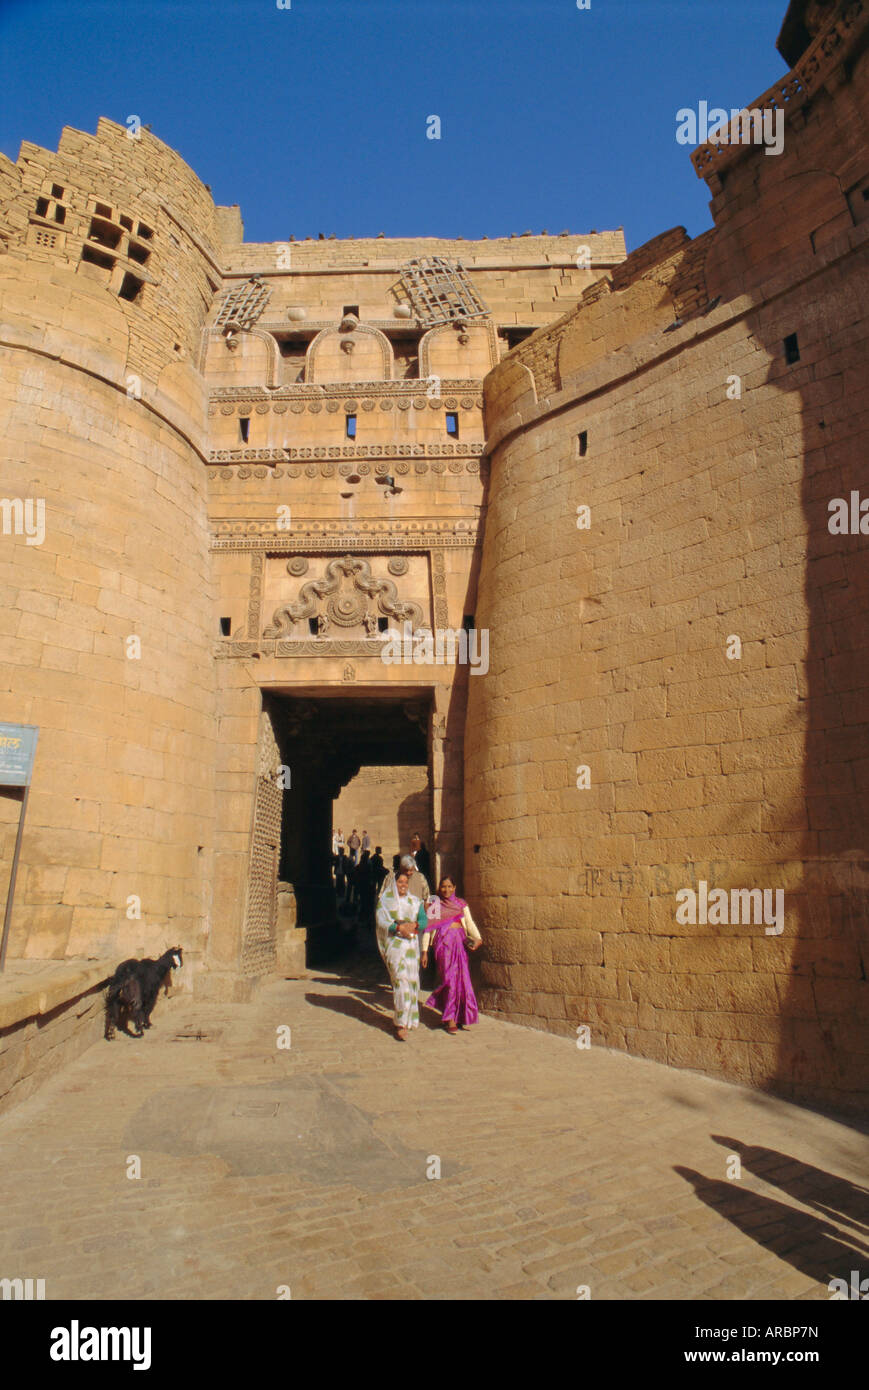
(342, 864)
(364, 882)
(421, 855)
(378, 868)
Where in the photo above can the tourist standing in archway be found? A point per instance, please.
(421, 856)
(400, 919)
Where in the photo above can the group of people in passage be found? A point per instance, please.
(359, 874)
(358, 884)
(409, 925)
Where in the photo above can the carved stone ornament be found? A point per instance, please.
(347, 595)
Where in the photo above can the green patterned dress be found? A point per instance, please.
(401, 954)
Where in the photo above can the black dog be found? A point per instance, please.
(133, 991)
(123, 1005)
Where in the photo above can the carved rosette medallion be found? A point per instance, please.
(347, 610)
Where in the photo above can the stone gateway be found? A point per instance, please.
(231, 470)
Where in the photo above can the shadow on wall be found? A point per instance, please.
(823, 1043)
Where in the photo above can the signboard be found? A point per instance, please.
(17, 752)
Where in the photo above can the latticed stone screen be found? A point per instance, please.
(258, 954)
(440, 291)
(243, 305)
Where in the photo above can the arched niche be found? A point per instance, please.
(457, 350)
(356, 353)
(248, 358)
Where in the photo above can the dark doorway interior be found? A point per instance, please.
(324, 740)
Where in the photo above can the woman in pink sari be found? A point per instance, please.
(452, 933)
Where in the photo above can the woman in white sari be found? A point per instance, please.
(401, 918)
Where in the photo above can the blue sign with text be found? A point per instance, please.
(17, 752)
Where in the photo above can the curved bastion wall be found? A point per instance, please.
(676, 706)
(106, 607)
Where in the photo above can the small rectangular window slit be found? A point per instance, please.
(792, 349)
(225, 627)
(350, 427)
(582, 444)
(244, 428)
(453, 424)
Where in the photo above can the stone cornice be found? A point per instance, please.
(305, 392)
(412, 535)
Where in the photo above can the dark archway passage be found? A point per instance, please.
(324, 740)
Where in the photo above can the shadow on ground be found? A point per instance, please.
(813, 1246)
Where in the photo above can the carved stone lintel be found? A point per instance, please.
(344, 606)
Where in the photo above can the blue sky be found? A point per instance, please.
(314, 118)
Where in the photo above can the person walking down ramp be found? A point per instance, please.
(400, 919)
(452, 932)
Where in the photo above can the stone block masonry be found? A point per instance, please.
(678, 700)
(391, 802)
(50, 1012)
(254, 457)
(142, 341)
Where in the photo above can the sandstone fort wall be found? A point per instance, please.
(708, 520)
(102, 423)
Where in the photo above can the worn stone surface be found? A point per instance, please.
(50, 1012)
(307, 1167)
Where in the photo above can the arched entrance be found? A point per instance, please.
(320, 741)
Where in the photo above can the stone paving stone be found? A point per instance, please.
(308, 1168)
